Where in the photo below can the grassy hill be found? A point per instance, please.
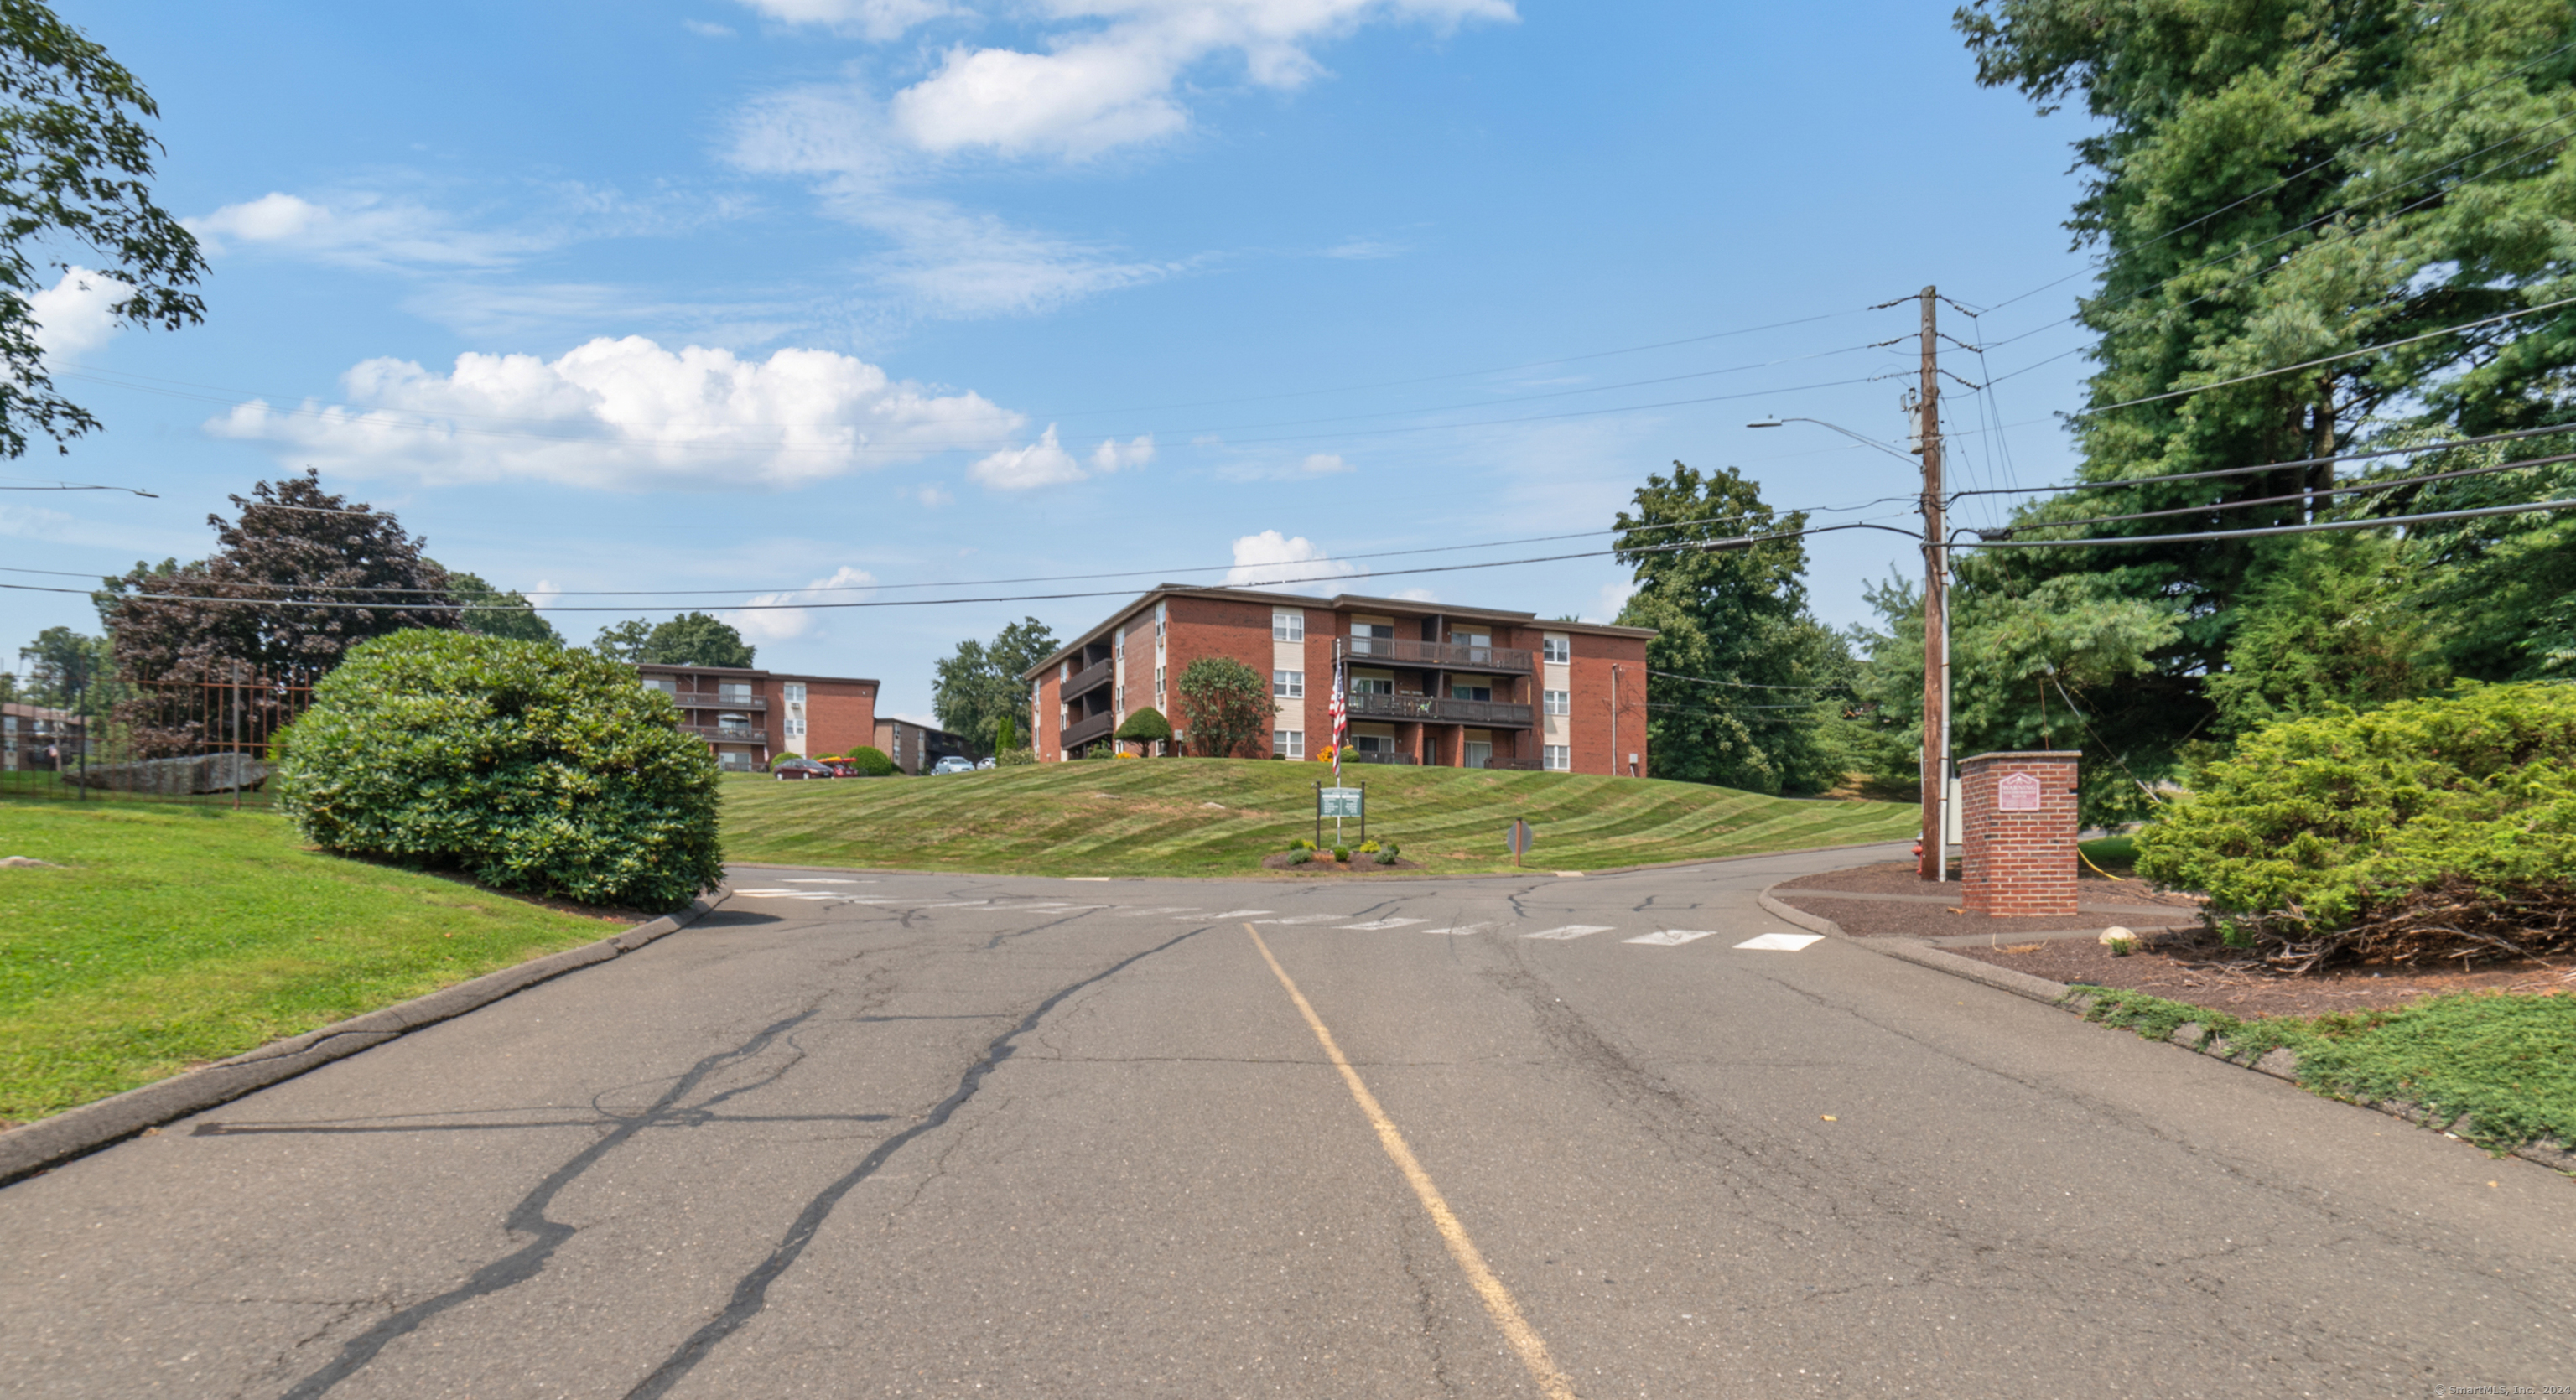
(1219, 817)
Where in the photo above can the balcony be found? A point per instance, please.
(1088, 679)
(1404, 760)
(1441, 655)
(1085, 731)
(1514, 765)
(726, 733)
(716, 700)
(1485, 713)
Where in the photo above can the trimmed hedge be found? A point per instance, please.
(527, 767)
(871, 762)
(2442, 825)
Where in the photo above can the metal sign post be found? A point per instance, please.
(1518, 838)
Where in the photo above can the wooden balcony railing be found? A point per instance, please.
(1514, 765)
(716, 700)
(726, 733)
(1444, 655)
(1092, 730)
(1441, 711)
(1088, 679)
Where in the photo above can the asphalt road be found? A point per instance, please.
(920, 1135)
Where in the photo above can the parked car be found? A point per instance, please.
(952, 764)
(787, 768)
(984, 763)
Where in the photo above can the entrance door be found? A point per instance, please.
(1477, 753)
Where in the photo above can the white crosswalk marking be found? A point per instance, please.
(1569, 931)
(1236, 914)
(1669, 937)
(1306, 919)
(1781, 942)
(1461, 930)
(1386, 923)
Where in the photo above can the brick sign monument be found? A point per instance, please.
(2017, 828)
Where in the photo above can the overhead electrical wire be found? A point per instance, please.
(2443, 445)
(2357, 488)
(2314, 527)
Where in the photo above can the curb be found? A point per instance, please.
(1258, 875)
(2282, 1064)
(75, 1132)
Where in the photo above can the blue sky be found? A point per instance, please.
(764, 297)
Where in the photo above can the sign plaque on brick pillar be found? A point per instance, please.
(2018, 824)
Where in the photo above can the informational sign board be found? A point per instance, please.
(2017, 792)
(1345, 802)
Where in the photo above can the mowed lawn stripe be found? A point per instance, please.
(1220, 817)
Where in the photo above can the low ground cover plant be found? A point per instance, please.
(2500, 1060)
(523, 766)
(2432, 829)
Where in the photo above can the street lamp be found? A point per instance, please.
(1936, 637)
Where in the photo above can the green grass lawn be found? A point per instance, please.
(1194, 816)
(177, 935)
(2502, 1059)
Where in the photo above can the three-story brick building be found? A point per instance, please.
(750, 717)
(1429, 684)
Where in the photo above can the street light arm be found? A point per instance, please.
(1900, 455)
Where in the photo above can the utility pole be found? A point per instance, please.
(1936, 606)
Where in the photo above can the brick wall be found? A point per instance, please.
(1591, 730)
(2018, 863)
(1197, 627)
(839, 715)
(1049, 735)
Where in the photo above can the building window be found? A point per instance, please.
(1461, 690)
(1161, 611)
(1158, 680)
(1554, 701)
(1287, 625)
(1372, 685)
(733, 692)
(664, 684)
(1557, 649)
(1557, 758)
(1288, 743)
(1288, 685)
(795, 692)
(1372, 743)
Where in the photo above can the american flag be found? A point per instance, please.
(1341, 712)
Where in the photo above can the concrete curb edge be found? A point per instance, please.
(2280, 1064)
(75, 1132)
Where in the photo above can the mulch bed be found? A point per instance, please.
(1866, 918)
(1326, 865)
(2193, 967)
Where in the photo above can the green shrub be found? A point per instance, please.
(1386, 856)
(525, 766)
(1300, 856)
(1015, 758)
(1342, 854)
(1146, 726)
(2432, 827)
(1367, 848)
(871, 762)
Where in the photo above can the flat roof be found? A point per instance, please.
(751, 671)
(1341, 602)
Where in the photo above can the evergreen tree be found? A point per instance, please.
(974, 688)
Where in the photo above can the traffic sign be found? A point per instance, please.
(1518, 839)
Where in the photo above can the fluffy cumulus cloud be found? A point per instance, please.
(875, 19)
(75, 316)
(362, 230)
(777, 617)
(1108, 78)
(625, 414)
(1046, 463)
(1273, 560)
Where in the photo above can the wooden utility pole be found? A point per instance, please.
(1936, 605)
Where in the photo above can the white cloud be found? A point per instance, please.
(1324, 464)
(934, 496)
(1105, 85)
(707, 30)
(876, 19)
(33, 522)
(1113, 455)
(1272, 560)
(766, 622)
(1613, 597)
(1046, 463)
(1364, 250)
(364, 230)
(73, 316)
(1417, 595)
(624, 414)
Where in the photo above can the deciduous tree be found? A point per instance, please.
(1225, 707)
(976, 687)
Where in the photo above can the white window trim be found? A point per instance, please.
(1287, 625)
(1557, 758)
(1555, 702)
(1556, 651)
(1288, 743)
(1287, 685)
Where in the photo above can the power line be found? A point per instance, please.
(1735, 542)
(2327, 360)
(80, 486)
(2391, 484)
(2441, 446)
(1746, 685)
(2366, 523)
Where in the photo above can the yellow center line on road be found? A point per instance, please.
(1524, 1339)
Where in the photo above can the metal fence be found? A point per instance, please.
(204, 738)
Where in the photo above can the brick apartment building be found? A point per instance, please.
(915, 747)
(32, 737)
(750, 717)
(1429, 684)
